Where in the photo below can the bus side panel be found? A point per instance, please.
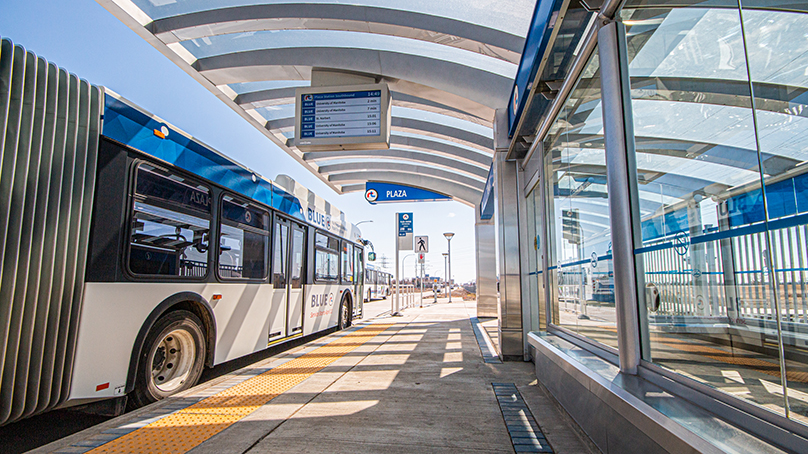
(109, 212)
(113, 314)
(321, 307)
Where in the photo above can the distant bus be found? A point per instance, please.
(377, 283)
(164, 257)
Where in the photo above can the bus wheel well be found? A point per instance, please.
(209, 327)
(188, 301)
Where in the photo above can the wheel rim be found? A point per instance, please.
(173, 360)
(345, 314)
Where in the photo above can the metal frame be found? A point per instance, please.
(395, 22)
(417, 81)
(357, 161)
(616, 103)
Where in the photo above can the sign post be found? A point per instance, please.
(421, 260)
(403, 242)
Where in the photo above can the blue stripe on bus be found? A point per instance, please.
(137, 130)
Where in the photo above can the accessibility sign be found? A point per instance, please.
(421, 244)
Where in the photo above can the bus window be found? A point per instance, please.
(244, 240)
(326, 261)
(170, 225)
(280, 254)
(347, 262)
(359, 267)
(298, 242)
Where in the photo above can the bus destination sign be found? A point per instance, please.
(346, 114)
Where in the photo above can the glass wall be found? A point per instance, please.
(536, 284)
(580, 272)
(723, 255)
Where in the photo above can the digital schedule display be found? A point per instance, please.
(351, 114)
(343, 118)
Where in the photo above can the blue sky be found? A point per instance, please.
(82, 37)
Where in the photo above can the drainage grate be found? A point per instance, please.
(526, 435)
(486, 347)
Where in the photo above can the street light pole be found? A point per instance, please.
(449, 236)
(445, 273)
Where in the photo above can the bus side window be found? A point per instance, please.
(170, 225)
(243, 240)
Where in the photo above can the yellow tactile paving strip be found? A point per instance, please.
(185, 429)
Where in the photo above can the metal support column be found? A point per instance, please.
(621, 177)
(485, 245)
(507, 193)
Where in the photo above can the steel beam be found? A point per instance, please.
(295, 63)
(370, 167)
(360, 157)
(366, 19)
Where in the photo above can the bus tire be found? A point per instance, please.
(345, 313)
(172, 358)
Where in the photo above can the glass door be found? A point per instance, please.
(296, 280)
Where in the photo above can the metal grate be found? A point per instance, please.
(525, 433)
(49, 128)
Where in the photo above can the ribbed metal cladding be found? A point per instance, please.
(49, 127)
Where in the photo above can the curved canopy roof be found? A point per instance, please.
(448, 64)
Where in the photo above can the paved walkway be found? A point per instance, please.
(416, 383)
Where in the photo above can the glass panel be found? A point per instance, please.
(298, 239)
(160, 187)
(347, 262)
(511, 16)
(210, 46)
(778, 56)
(168, 243)
(536, 280)
(326, 265)
(170, 225)
(280, 255)
(244, 240)
(708, 309)
(578, 214)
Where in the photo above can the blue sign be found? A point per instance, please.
(404, 224)
(347, 114)
(388, 192)
(536, 42)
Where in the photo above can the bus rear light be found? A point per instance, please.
(102, 387)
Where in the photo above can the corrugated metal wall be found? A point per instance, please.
(49, 127)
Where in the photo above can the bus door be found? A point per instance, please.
(297, 259)
(359, 280)
(280, 279)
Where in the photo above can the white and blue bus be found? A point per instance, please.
(377, 283)
(189, 260)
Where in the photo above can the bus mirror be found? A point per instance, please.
(371, 256)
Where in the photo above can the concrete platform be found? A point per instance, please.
(415, 383)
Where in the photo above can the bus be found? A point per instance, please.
(377, 283)
(177, 258)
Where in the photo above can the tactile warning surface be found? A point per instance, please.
(181, 431)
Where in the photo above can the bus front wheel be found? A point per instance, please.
(172, 358)
(345, 313)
